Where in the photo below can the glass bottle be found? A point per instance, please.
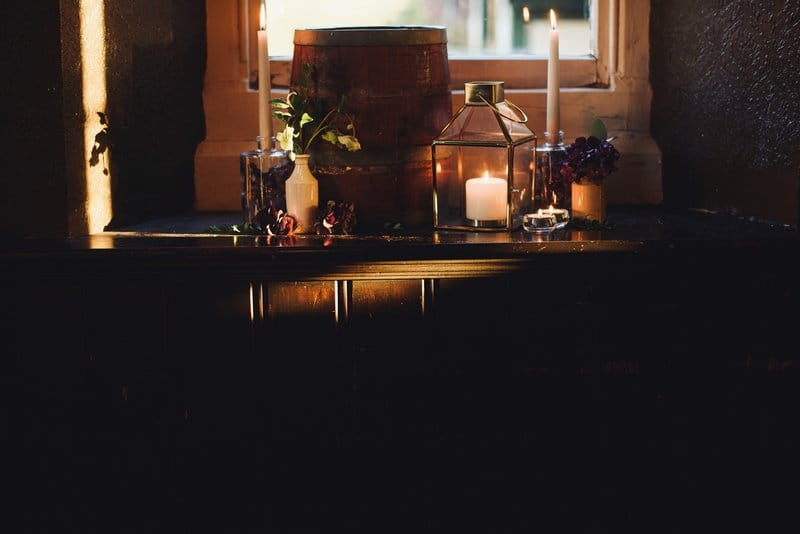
(264, 173)
(550, 189)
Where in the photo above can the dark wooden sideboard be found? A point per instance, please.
(640, 378)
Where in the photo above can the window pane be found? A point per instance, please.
(474, 27)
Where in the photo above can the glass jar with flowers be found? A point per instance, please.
(307, 121)
(589, 162)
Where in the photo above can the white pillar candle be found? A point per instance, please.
(264, 82)
(487, 198)
(553, 84)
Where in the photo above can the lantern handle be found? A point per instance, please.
(509, 104)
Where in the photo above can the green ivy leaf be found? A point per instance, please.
(331, 136)
(349, 142)
(305, 119)
(599, 130)
(279, 103)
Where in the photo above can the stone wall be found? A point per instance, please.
(32, 192)
(726, 104)
(155, 55)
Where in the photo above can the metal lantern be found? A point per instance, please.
(482, 163)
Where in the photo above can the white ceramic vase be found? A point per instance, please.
(302, 194)
(589, 201)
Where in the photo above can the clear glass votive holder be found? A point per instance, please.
(561, 215)
(539, 222)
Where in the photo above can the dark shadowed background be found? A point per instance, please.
(726, 104)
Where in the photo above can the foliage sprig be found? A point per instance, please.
(301, 112)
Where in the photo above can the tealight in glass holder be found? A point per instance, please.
(550, 189)
(483, 163)
(561, 215)
(264, 174)
(545, 220)
(539, 222)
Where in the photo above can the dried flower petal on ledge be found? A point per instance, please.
(271, 222)
(338, 218)
(277, 222)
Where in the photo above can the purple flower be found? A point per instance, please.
(589, 160)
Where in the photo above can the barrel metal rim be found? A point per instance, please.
(371, 36)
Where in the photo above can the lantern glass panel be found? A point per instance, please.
(516, 130)
(457, 164)
(475, 123)
(522, 194)
(480, 123)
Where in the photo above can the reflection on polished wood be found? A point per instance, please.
(308, 300)
(384, 299)
(435, 255)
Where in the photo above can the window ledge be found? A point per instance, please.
(173, 243)
(517, 72)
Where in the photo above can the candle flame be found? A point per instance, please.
(526, 14)
(551, 207)
(553, 19)
(540, 211)
(262, 17)
(438, 168)
(485, 175)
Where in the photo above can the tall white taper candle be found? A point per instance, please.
(553, 84)
(264, 83)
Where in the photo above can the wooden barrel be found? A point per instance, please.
(396, 82)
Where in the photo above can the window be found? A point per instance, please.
(513, 33)
(475, 27)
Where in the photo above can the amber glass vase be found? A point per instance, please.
(589, 201)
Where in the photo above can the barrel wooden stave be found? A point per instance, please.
(400, 98)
